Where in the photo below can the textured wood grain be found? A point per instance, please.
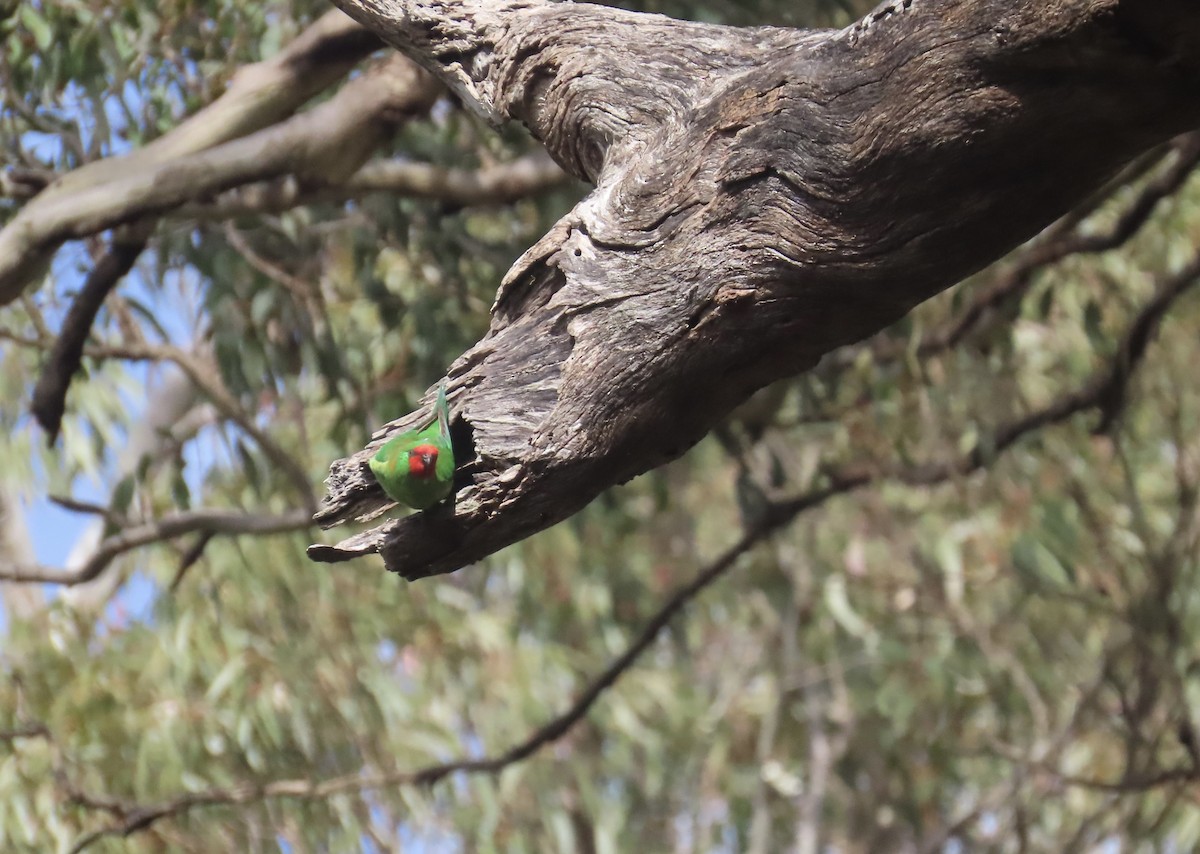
(762, 196)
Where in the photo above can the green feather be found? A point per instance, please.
(403, 473)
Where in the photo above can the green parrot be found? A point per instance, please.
(417, 468)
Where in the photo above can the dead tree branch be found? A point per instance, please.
(763, 196)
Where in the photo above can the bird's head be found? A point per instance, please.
(422, 461)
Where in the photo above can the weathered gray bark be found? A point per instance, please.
(762, 197)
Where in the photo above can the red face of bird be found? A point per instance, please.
(422, 461)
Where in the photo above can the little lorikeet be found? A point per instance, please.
(417, 468)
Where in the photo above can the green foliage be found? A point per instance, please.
(896, 661)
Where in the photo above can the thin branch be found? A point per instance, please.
(229, 522)
(32, 730)
(298, 288)
(1135, 343)
(76, 506)
(1129, 784)
(132, 819)
(335, 136)
(494, 185)
(23, 183)
(36, 318)
(50, 394)
(189, 559)
(25, 340)
(500, 184)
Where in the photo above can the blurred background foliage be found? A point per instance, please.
(1006, 661)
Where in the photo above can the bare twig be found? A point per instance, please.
(494, 185)
(76, 506)
(31, 730)
(38, 343)
(1133, 346)
(229, 522)
(23, 183)
(1128, 784)
(189, 558)
(1105, 391)
(298, 288)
